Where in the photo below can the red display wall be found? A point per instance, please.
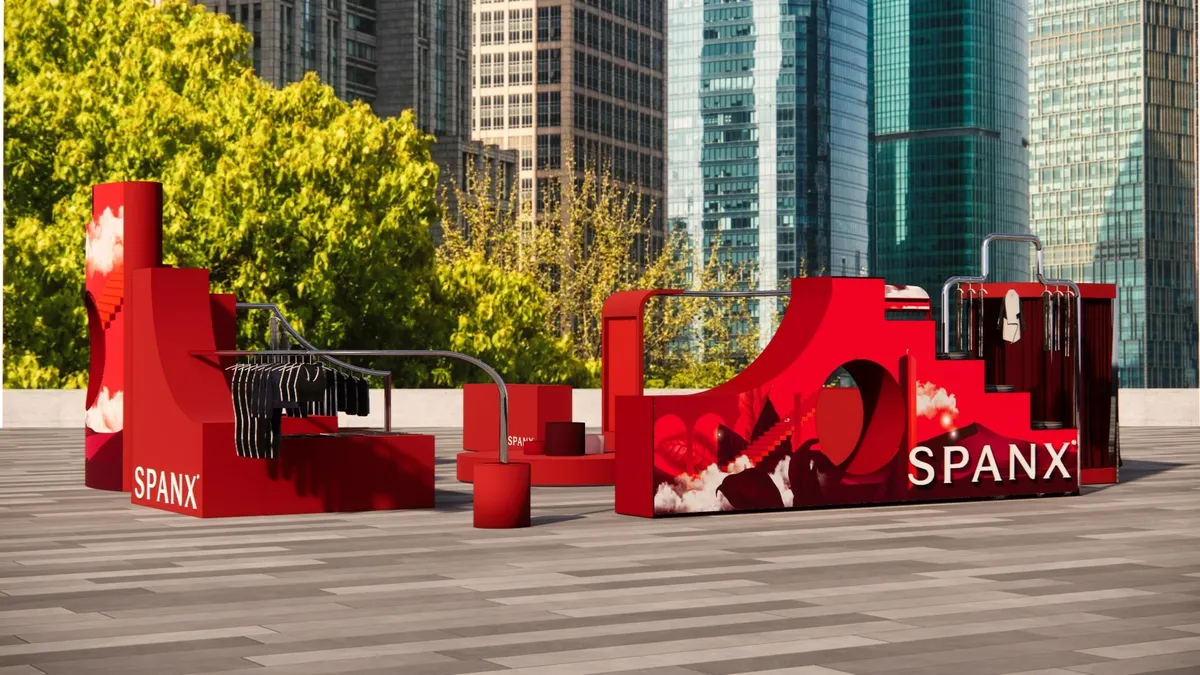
(160, 416)
(915, 427)
(181, 441)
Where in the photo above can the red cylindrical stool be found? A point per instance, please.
(534, 448)
(565, 439)
(501, 495)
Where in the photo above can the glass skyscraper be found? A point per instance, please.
(950, 138)
(1113, 168)
(767, 137)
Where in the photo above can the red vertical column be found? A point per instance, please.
(125, 234)
(622, 353)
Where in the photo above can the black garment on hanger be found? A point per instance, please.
(363, 402)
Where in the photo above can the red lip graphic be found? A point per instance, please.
(680, 451)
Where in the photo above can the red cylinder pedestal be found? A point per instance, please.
(535, 447)
(502, 495)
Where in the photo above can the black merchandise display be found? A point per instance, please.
(264, 393)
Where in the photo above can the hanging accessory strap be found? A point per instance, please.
(1067, 324)
(1058, 319)
(1047, 321)
(971, 321)
(979, 317)
(960, 317)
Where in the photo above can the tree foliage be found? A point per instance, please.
(288, 196)
(592, 236)
(500, 316)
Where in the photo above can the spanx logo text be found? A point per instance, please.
(958, 457)
(166, 487)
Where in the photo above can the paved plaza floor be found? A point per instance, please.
(1107, 583)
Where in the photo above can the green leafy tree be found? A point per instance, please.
(590, 238)
(499, 316)
(288, 196)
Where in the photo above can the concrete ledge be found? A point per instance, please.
(1159, 407)
(442, 408)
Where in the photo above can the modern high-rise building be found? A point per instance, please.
(768, 134)
(393, 54)
(563, 81)
(950, 138)
(1113, 168)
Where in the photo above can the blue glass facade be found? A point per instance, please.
(950, 136)
(1113, 169)
(767, 136)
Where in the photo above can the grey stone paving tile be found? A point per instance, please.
(163, 652)
(1044, 671)
(1138, 611)
(1060, 661)
(555, 622)
(20, 670)
(1151, 664)
(670, 631)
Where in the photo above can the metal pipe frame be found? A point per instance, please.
(736, 294)
(952, 281)
(428, 353)
(1041, 278)
(277, 318)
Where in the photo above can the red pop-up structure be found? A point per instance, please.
(850, 403)
(178, 452)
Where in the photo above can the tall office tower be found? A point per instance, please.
(561, 80)
(1113, 168)
(393, 54)
(950, 123)
(768, 134)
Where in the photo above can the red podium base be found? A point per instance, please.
(313, 474)
(1099, 476)
(530, 407)
(546, 471)
(502, 496)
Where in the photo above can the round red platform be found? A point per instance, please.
(546, 470)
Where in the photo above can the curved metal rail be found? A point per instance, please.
(736, 294)
(277, 319)
(1041, 278)
(435, 353)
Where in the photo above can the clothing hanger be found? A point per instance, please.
(961, 294)
(982, 292)
(1067, 323)
(1058, 315)
(970, 319)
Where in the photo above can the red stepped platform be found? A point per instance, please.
(181, 443)
(548, 471)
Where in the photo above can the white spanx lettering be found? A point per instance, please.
(166, 487)
(957, 457)
(949, 464)
(987, 462)
(1056, 462)
(922, 466)
(1017, 457)
(191, 490)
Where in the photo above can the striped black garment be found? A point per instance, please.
(261, 393)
